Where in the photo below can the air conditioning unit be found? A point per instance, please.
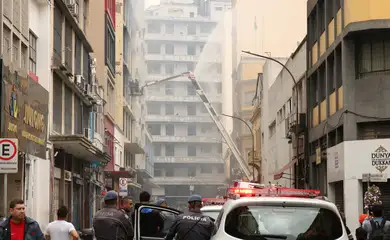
(67, 176)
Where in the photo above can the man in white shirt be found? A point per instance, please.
(61, 229)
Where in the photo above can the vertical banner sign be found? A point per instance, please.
(8, 155)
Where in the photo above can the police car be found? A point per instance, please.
(274, 212)
(211, 211)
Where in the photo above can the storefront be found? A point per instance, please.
(346, 164)
(24, 116)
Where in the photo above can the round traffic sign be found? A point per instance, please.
(13, 149)
(123, 182)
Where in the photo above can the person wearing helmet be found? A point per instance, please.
(191, 225)
(111, 223)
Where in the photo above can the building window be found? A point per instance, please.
(248, 98)
(191, 109)
(169, 109)
(154, 68)
(191, 90)
(191, 130)
(155, 129)
(169, 68)
(206, 169)
(110, 46)
(169, 130)
(15, 50)
(78, 112)
(154, 28)
(157, 149)
(85, 16)
(6, 41)
(77, 56)
(191, 29)
(68, 110)
(169, 89)
(218, 9)
(169, 49)
(191, 150)
(206, 149)
(58, 18)
(57, 104)
(192, 14)
(374, 57)
(205, 28)
(154, 48)
(154, 108)
(191, 67)
(68, 46)
(86, 65)
(169, 150)
(169, 28)
(191, 50)
(24, 56)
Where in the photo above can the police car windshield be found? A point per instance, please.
(214, 214)
(273, 222)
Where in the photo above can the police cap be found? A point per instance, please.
(195, 198)
(111, 195)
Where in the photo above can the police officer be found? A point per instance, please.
(191, 225)
(111, 223)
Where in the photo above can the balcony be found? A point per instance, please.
(199, 180)
(211, 77)
(177, 37)
(135, 145)
(195, 98)
(204, 159)
(194, 139)
(175, 58)
(143, 166)
(182, 119)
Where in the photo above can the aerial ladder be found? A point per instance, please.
(136, 90)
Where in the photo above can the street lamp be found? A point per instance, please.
(296, 105)
(253, 140)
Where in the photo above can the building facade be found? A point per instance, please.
(249, 69)
(279, 118)
(347, 97)
(77, 133)
(187, 145)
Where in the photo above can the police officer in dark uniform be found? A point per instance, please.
(111, 223)
(191, 225)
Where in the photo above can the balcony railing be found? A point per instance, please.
(199, 180)
(176, 58)
(195, 139)
(175, 18)
(175, 118)
(177, 37)
(165, 159)
(195, 98)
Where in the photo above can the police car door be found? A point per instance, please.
(168, 215)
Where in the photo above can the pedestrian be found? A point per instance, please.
(60, 229)
(360, 233)
(151, 221)
(168, 217)
(127, 205)
(192, 225)
(17, 226)
(162, 203)
(110, 222)
(376, 225)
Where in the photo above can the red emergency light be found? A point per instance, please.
(213, 201)
(271, 192)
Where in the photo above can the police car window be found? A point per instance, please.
(218, 221)
(283, 222)
(154, 223)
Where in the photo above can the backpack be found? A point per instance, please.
(377, 230)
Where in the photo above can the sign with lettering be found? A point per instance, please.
(380, 159)
(8, 155)
(25, 112)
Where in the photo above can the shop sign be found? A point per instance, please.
(25, 109)
(380, 159)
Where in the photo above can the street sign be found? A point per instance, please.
(374, 177)
(8, 155)
(123, 187)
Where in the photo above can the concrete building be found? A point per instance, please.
(77, 131)
(278, 107)
(347, 99)
(24, 90)
(187, 144)
(244, 95)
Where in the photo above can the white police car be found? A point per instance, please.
(211, 210)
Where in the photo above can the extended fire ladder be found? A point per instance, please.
(135, 90)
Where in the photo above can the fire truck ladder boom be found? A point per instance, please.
(213, 114)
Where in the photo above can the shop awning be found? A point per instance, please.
(119, 174)
(80, 147)
(279, 174)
